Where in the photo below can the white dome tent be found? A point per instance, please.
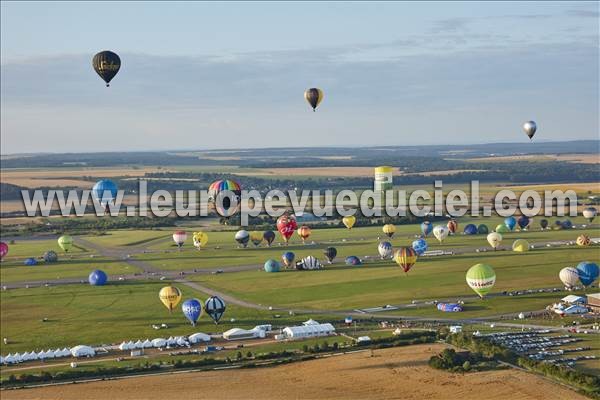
(147, 344)
(199, 337)
(159, 342)
(82, 351)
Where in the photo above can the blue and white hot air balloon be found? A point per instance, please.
(98, 278)
(192, 309)
(419, 246)
(104, 191)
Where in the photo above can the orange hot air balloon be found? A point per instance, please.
(304, 232)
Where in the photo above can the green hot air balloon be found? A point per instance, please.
(481, 278)
(501, 228)
(106, 64)
(65, 242)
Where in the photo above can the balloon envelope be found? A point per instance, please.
(313, 96)
(440, 232)
(353, 260)
(520, 245)
(269, 237)
(426, 228)
(405, 257)
(304, 232)
(566, 224)
(215, 308)
(481, 278)
(286, 225)
(3, 249)
(179, 237)
(452, 226)
(30, 261)
(98, 278)
(50, 256)
(242, 237)
(590, 213)
(588, 272)
(192, 309)
(288, 258)
(482, 229)
(583, 240)
(385, 250)
(544, 223)
(419, 246)
(510, 222)
(569, 276)
(330, 253)
(65, 242)
(494, 239)
(501, 228)
(523, 221)
(170, 296)
(199, 239)
(272, 266)
(530, 127)
(349, 221)
(256, 238)
(225, 193)
(106, 64)
(470, 229)
(104, 191)
(389, 230)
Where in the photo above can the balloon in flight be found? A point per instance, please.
(590, 213)
(330, 253)
(170, 296)
(440, 232)
(510, 222)
(104, 192)
(225, 194)
(481, 278)
(65, 242)
(313, 96)
(349, 221)
(242, 237)
(215, 308)
(389, 230)
(385, 250)
(286, 225)
(192, 309)
(530, 127)
(523, 222)
(426, 228)
(97, 278)
(106, 64)
(405, 257)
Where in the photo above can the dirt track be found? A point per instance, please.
(399, 373)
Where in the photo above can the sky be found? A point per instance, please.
(232, 75)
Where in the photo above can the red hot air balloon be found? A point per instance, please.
(286, 225)
(452, 226)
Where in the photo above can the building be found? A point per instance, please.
(455, 329)
(383, 179)
(593, 302)
(307, 331)
(572, 299)
(575, 309)
(240, 334)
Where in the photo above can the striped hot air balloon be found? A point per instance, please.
(405, 257)
(583, 240)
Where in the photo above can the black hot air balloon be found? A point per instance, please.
(330, 253)
(106, 64)
(314, 96)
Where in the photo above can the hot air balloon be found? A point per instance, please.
(389, 230)
(510, 222)
(405, 257)
(313, 96)
(272, 266)
(523, 222)
(192, 309)
(520, 245)
(269, 237)
(104, 192)
(558, 225)
(566, 224)
(3, 250)
(583, 240)
(50, 256)
(440, 232)
(590, 213)
(222, 192)
(199, 239)
(385, 250)
(569, 276)
(501, 228)
(304, 232)
(65, 242)
(309, 263)
(353, 260)
(470, 229)
(544, 223)
(256, 238)
(286, 225)
(588, 272)
(481, 278)
(530, 127)
(349, 221)
(97, 278)
(419, 246)
(330, 253)
(452, 226)
(288, 258)
(179, 237)
(482, 229)
(494, 239)
(215, 308)
(170, 296)
(449, 307)
(30, 261)
(106, 64)
(426, 228)
(242, 237)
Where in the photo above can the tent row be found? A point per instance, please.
(77, 351)
(181, 341)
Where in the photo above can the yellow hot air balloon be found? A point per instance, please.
(349, 221)
(389, 230)
(170, 297)
(583, 240)
(256, 237)
(520, 245)
(313, 96)
(200, 239)
(65, 242)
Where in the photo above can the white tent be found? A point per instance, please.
(130, 345)
(10, 359)
(159, 342)
(49, 354)
(147, 343)
(41, 355)
(199, 337)
(310, 322)
(58, 353)
(294, 332)
(25, 356)
(65, 352)
(1, 360)
(33, 355)
(171, 341)
(138, 345)
(181, 341)
(17, 357)
(82, 351)
(124, 346)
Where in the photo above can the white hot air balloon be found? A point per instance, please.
(569, 276)
(440, 232)
(494, 239)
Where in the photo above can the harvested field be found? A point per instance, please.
(32, 178)
(574, 158)
(398, 373)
